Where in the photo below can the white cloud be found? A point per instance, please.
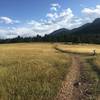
(61, 19)
(52, 16)
(53, 9)
(54, 20)
(55, 5)
(5, 33)
(67, 13)
(92, 13)
(7, 20)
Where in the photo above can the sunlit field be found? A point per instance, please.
(97, 69)
(80, 48)
(91, 70)
(35, 71)
(31, 71)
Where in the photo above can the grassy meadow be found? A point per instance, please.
(80, 48)
(35, 71)
(96, 63)
(91, 71)
(31, 71)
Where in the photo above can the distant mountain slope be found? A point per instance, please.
(89, 32)
(88, 28)
(60, 32)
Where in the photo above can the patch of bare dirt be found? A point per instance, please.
(70, 86)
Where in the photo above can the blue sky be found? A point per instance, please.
(32, 17)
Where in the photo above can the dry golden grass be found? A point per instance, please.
(31, 71)
(35, 71)
(91, 70)
(80, 48)
(97, 61)
(95, 66)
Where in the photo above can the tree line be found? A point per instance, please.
(73, 38)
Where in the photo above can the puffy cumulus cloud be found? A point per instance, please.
(91, 13)
(55, 6)
(65, 19)
(52, 16)
(6, 33)
(7, 20)
(14, 32)
(53, 20)
(53, 9)
(64, 15)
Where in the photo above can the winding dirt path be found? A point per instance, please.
(69, 89)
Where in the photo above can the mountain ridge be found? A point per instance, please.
(87, 33)
(93, 27)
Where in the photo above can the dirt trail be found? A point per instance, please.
(69, 89)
